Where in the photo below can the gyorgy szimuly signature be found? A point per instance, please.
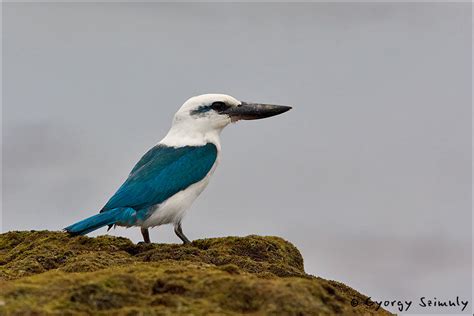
(405, 305)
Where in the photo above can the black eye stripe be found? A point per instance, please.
(219, 106)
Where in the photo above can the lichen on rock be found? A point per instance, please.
(44, 272)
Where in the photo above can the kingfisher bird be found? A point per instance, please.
(171, 175)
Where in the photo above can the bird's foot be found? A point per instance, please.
(146, 235)
(179, 232)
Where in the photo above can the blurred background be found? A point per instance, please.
(369, 175)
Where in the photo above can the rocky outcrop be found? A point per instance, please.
(44, 272)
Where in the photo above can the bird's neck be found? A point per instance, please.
(181, 135)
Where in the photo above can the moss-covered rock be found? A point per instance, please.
(45, 272)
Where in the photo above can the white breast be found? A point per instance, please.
(173, 209)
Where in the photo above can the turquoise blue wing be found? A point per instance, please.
(161, 173)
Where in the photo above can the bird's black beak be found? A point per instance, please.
(255, 111)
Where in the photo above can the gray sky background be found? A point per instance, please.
(369, 175)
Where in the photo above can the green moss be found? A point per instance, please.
(53, 273)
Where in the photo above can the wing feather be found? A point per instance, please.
(162, 172)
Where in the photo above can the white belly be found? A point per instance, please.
(173, 209)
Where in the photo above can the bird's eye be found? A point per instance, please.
(219, 106)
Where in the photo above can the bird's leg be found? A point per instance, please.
(146, 235)
(179, 231)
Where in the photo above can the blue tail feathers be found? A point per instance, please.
(122, 216)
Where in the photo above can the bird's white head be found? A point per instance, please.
(203, 111)
(201, 118)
